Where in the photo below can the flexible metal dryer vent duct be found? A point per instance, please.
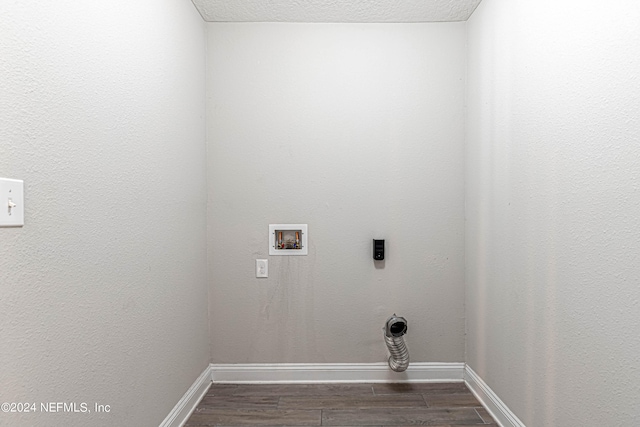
(394, 330)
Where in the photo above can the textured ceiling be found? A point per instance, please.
(335, 10)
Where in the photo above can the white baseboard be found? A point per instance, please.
(492, 403)
(339, 373)
(185, 406)
(336, 373)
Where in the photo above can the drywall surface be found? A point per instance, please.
(357, 131)
(552, 205)
(103, 291)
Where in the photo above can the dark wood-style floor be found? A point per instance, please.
(427, 404)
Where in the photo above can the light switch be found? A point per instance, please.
(11, 202)
(262, 268)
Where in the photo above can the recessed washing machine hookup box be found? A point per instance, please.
(288, 239)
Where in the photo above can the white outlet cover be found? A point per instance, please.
(262, 268)
(11, 194)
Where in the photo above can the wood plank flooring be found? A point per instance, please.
(340, 405)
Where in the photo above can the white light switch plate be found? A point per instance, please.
(11, 202)
(262, 268)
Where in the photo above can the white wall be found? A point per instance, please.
(104, 288)
(358, 131)
(553, 201)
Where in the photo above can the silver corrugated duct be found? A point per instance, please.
(394, 331)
